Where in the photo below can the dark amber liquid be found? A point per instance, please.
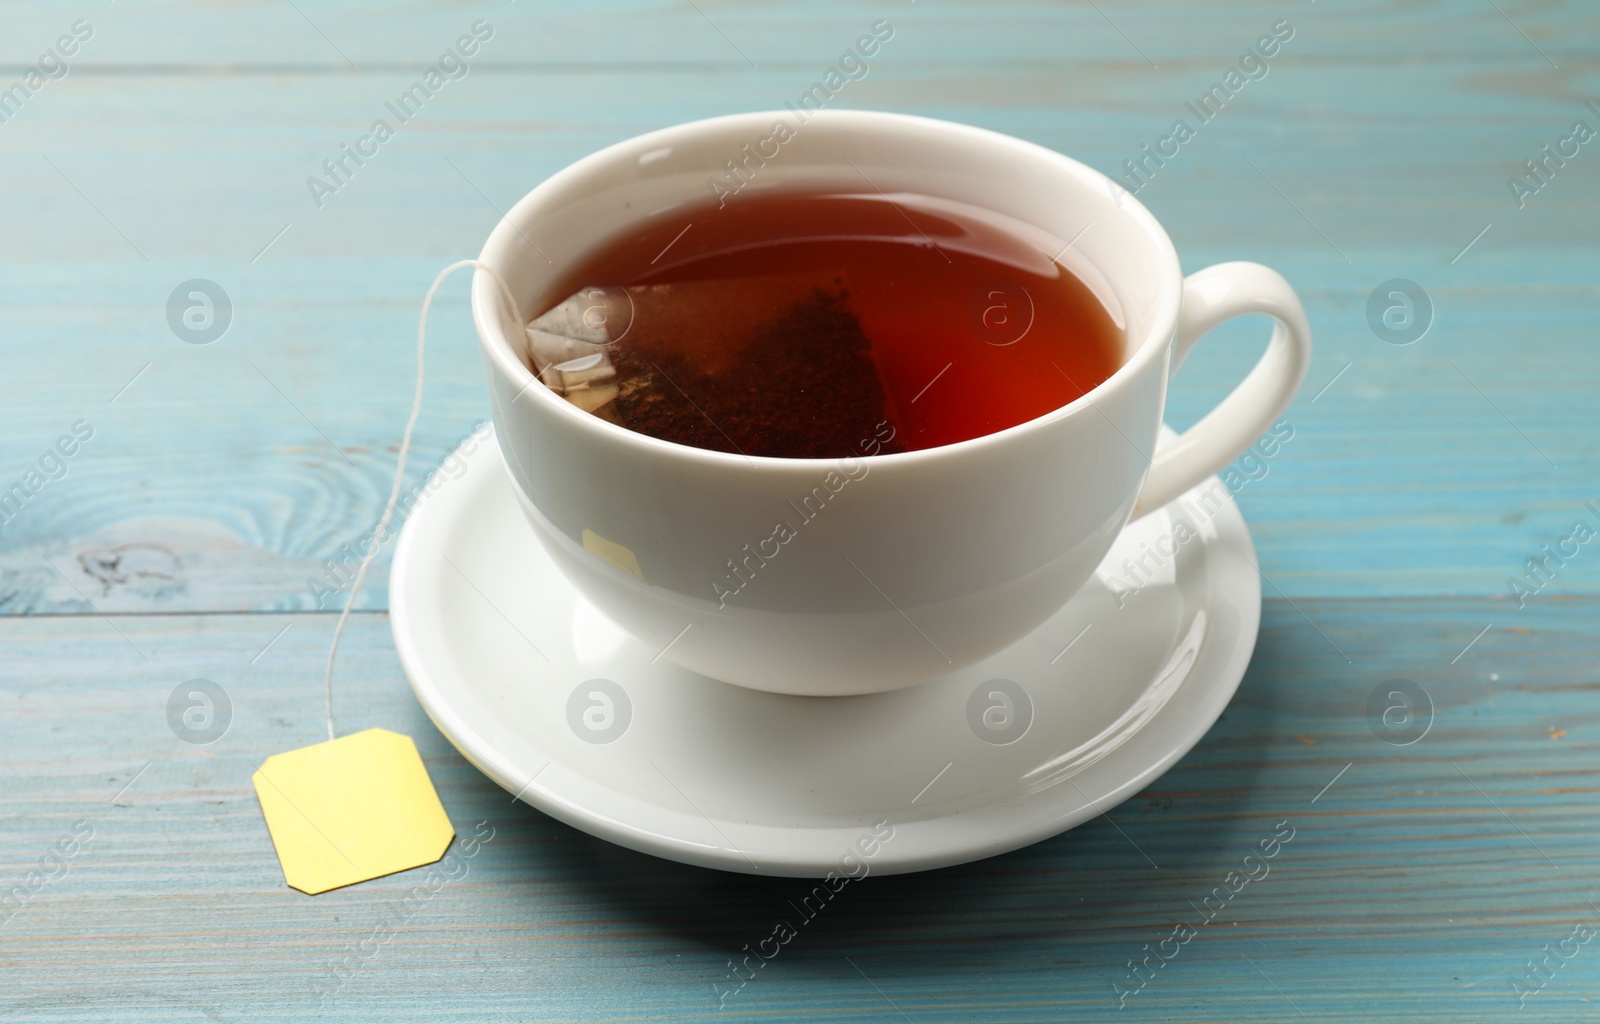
(972, 324)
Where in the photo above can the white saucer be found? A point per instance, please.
(505, 658)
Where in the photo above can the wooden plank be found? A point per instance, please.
(1403, 860)
(220, 454)
(627, 34)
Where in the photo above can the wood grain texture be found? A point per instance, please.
(219, 477)
(272, 446)
(1405, 893)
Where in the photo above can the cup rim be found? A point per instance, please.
(487, 301)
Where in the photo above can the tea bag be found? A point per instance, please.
(763, 365)
(568, 346)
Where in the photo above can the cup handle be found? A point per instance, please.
(1210, 296)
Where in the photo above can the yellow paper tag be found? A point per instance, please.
(352, 809)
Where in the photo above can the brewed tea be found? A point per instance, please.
(797, 324)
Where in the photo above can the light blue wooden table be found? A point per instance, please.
(209, 481)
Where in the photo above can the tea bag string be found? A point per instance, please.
(405, 449)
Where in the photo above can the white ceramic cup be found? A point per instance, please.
(900, 567)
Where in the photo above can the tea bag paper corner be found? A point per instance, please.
(350, 810)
